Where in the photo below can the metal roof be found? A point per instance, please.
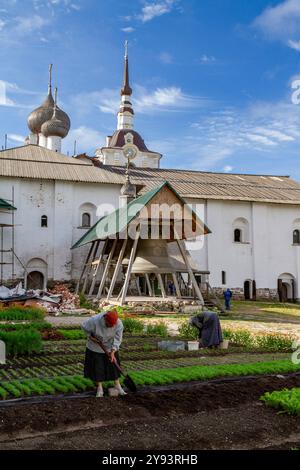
(33, 161)
(36, 162)
(6, 205)
(118, 220)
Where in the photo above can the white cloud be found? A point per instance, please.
(128, 29)
(8, 92)
(228, 169)
(144, 101)
(281, 22)
(2, 24)
(294, 45)
(155, 9)
(206, 59)
(29, 24)
(261, 129)
(87, 139)
(16, 138)
(166, 58)
(260, 139)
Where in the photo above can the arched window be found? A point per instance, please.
(296, 237)
(237, 235)
(44, 221)
(86, 220)
(241, 230)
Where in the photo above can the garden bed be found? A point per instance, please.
(196, 411)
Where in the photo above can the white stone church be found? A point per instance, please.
(49, 200)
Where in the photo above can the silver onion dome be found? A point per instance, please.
(59, 124)
(44, 112)
(40, 115)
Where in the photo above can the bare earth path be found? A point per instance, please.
(214, 415)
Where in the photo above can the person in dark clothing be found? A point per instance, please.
(209, 326)
(227, 297)
(171, 288)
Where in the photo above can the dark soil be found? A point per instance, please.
(225, 414)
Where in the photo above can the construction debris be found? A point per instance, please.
(69, 300)
(58, 300)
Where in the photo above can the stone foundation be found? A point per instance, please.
(238, 293)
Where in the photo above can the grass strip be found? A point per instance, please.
(285, 400)
(74, 383)
(186, 374)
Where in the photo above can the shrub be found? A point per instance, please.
(186, 331)
(157, 329)
(25, 326)
(85, 303)
(239, 337)
(24, 342)
(133, 326)
(71, 334)
(275, 342)
(22, 313)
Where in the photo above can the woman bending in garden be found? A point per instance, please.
(209, 327)
(107, 328)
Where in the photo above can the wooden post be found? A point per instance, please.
(84, 268)
(182, 249)
(97, 269)
(117, 269)
(105, 272)
(149, 285)
(176, 284)
(131, 260)
(162, 287)
(89, 267)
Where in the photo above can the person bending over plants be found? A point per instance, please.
(209, 327)
(104, 329)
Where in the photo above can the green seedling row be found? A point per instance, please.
(186, 374)
(285, 400)
(71, 384)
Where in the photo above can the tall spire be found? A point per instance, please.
(126, 113)
(50, 79)
(126, 90)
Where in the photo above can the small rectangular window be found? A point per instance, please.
(223, 278)
(44, 221)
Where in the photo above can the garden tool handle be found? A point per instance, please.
(100, 344)
(107, 353)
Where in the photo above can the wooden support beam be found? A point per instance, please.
(149, 285)
(162, 287)
(176, 284)
(117, 269)
(97, 268)
(89, 267)
(182, 249)
(130, 263)
(106, 269)
(138, 286)
(83, 270)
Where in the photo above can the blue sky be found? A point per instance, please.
(211, 78)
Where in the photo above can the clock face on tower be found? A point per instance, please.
(129, 151)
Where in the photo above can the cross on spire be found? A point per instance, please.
(50, 77)
(126, 90)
